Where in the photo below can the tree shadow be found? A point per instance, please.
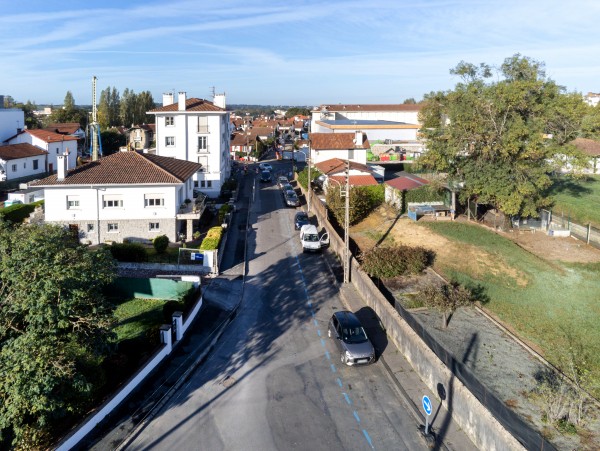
(374, 329)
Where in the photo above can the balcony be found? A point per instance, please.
(203, 149)
(194, 209)
(203, 129)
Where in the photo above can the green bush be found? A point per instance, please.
(363, 200)
(129, 252)
(225, 208)
(171, 307)
(302, 176)
(391, 261)
(212, 239)
(160, 244)
(17, 213)
(190, 297)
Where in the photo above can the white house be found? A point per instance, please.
(53, 143)
(12, 121)
(126, 195)
(335, 171)
(21, 161)
(199, 131)
(345, 146)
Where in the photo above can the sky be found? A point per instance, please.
(267, 52)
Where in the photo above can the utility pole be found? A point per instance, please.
(347, 226)
(308, 190)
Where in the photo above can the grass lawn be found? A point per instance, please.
(578, 199)
(136, 316)
(549, 304)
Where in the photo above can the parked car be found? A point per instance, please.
(265, 176)
(286, 187)
(310, 239)
(265, 167)
(291, 199)
(350, 338)
(300, 219)
(281, 180)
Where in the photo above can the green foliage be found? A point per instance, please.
(225, 208)
(446, 298)
(54, 324)
(363, 200)
(229, 185)
(297, 111)
(129, 252)
(577, 199)
(212, 239)
(169, 308)
(17, 213)
(491, 135)
(160, 243)
(111, 141)
(391, 261)
(426, 193)
(302, 177)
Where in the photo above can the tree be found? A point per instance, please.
(410, 101)
(111, 141)
(54, 330)
(69, 113)
(590, 124)
(363, 200)
(69, 102)
(31, 120)
(493, 135)
(446, 298)
(297, 111)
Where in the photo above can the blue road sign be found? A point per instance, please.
(427, 405)
(197, 256)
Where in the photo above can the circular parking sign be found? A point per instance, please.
(427, 405)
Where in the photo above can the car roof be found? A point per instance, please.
(347, 319)
(301, 213)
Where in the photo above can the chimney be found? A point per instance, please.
(61, 167)
(358, 138)
(167, 98)
(181, 99)
(219, 100)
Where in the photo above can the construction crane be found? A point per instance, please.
(95, 142)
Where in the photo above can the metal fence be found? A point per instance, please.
(587, 234)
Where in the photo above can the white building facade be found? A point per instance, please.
(54, 144)
(199, 131)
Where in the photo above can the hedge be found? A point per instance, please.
(129, 252)
(225, 208)
(212, 239)
(18, 212)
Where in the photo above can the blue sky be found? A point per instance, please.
(305, 52)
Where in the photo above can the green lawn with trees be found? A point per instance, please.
(577, 199)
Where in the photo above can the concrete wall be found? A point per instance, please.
(481, 427)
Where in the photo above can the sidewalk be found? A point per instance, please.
(409, 384)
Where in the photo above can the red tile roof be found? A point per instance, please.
(192, 104)
(48, 136)
(67, 127)
(337, 141)
(336, 165)
(406, 182)
(374, 107)
(24, 150)
(356, 180)
(587, 146)
(127, 168)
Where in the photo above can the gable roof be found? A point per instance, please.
(406, 182)
(128, 168)
(356, 180)
(192, 104)
(337, 141)
(65, 128)
(336, 165)
(49, 136)
(587, 146)
(23, 150)
(373, 107)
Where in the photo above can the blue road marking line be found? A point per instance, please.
(339, 381)
(319, 332)
(366, 434)
(356, 416)
(309, 304)
(312, 313)
(333, 370)
(315, 321)
(322, 342)
(327, 355)
(347, 398)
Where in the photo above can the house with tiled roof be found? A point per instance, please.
(55, 144)
(590, 148)
(140, 137)
(124, 196)
(70, 129)
(21, 162)
(196, 130)
(396, 188)
(392, 128)
(335, 171)
(346, 146)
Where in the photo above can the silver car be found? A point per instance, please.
(351, 339)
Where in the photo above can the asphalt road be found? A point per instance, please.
(275, 381)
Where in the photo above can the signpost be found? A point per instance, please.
(197, 256)
(427, 409)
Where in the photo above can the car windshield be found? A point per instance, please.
(302, 217)
(354, 335)
(311, 237)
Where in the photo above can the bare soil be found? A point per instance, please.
(499, 361)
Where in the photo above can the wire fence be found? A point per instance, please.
(586, 233)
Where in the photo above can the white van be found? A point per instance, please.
(310, 239)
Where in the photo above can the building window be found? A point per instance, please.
(154, 200)
(202, 124)
(72, 202)
(24, 165)
(113, 227)
(203, 160)
(202, 184)
(202, 143)
(35, 164)
(112, 202)
(14, 168)
(209, 183)
(154, 227)
(57, 151)
(169, 141)
(90, 228)
(169, 121)
(350, 154)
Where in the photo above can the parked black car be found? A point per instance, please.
(300, 219)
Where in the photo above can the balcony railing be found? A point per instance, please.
(203, 129)
(203, 149)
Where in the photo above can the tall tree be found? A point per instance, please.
(69, 102)
(54, 329)
(144, 103)
(127, 108)
(493, 135)
(104, 109)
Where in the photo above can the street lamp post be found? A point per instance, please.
(346, 194)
